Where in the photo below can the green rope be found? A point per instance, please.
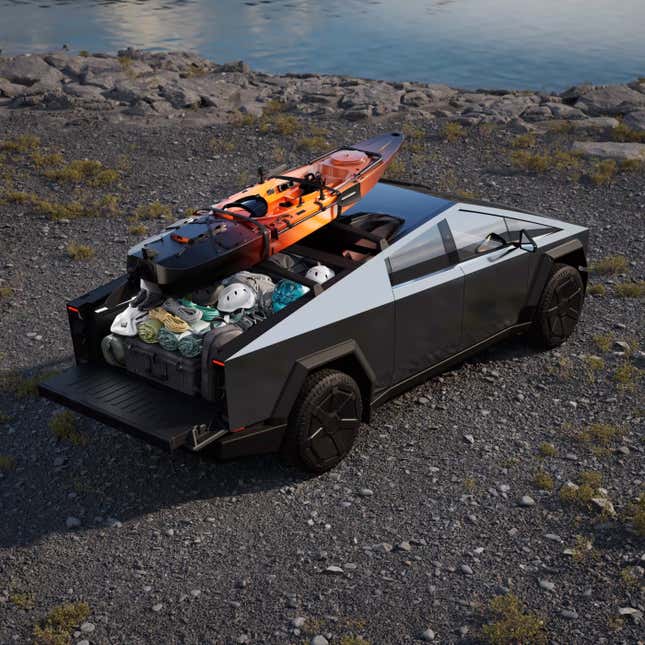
(190, 346)
(208, 313)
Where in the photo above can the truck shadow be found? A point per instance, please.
(112, 478)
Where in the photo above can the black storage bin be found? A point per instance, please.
(168, 368)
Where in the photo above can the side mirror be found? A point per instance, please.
(526, 242)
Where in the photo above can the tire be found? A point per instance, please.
(324, 422)
(559, 307)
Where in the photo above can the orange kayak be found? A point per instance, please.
(265, 218)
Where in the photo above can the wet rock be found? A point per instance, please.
(610, 150)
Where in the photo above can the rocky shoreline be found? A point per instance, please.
(143, 84)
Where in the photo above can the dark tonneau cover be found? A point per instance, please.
(157, 414)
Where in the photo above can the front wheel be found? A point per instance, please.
(559, 307)
(324, 422)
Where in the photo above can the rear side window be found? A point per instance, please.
(534, 230)
(423, 255)
(472, 230)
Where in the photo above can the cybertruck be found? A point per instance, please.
(420, 283)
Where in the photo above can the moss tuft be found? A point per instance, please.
(57, 627)
(532, 163)
(154, 210)
(543, 480)
(604, 171)
(511, 624)
(452, 131)
(597, 290)
(63, 425)
(79, 251)
(547, 449)
(630, 289)
(610, 265)
(22, 144)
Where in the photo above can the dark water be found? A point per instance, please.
(544, 44)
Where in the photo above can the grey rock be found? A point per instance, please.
(298, 621)
(610, 150)
(319, 640)
(28, 70)
(465, 569)
(383, 547)
(635, 120)
(87, 628)
(366, 492)
(9, 89)
(404, 546)
(610, 100)
(334, 570)
(575, 92)
(427, 636)
(563, 111)
(547, 585)
(72, 522)
(537, 113)
(572, 614)
(526, 501)
(157, 607)
(83, 91)
(469, 438)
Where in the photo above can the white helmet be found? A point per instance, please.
(236, 296)
(320, 274)
(125, 324)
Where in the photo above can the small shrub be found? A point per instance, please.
(79, 251)
(274, 106)
(604, 171)
(630, 576)
(94, 173)
(22, 600)
(564, 368)
(452, 131)
(562, 161)
(413, 132)
(547, 449)
(594, 364)
(631, 165)
(286, 125)
(601, 434)
(5, 293)
(7, 463)
(154, 210)
(624, 133)
(22, 386)
(590, 478)
(630, 289)
(243, 119)
(533, 163)
(107, 205)
(470, 484)
(596, 290)
(57, 627)
(312, 144)
(543, 480)
(23, 143)
(583, 549)
(511, 624)
(47, 160)
(63, 425)
(627, 376)
(610, 265)
(396, 169)
(527, 140)
(137, 229)
(604, 342)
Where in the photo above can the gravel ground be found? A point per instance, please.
(428, 518)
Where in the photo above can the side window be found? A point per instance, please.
(421, 256)
(471, 232)
(533, 229)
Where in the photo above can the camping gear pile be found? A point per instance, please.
(220, 312)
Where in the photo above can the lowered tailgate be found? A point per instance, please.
(146, 410)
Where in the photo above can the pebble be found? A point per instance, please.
(319, 640)
(88, 628)
(546, 584)
(157, 607)
(469, 438)
(83, 642)
(298, 621)
(569, 613)
(466, 569)
(334, 570)
(428, 635)
(72, 522)
(366, 492)
(404, 546)
(527, 500)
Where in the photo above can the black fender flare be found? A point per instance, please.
(567, 248)
(345, 353)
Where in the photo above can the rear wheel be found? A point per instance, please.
(559, 307)
(324, 422)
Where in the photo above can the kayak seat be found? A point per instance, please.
(254, 205)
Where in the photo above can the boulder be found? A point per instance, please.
(638, 85)
(180, 96)
(67, 63)
(537, 113)
(574, 93)
(610, 150)
(610, 100)
(28, 70)
(564, 111)
(83, 91)
(634, 120)
(9, 89)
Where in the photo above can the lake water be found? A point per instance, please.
(549, 44)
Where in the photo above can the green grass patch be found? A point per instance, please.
(138, 229)
(88, 171)
(22, 600)
(627, 376)
(630, 289)
(452, 131)
(7, 463)
(547, 449)
(527, 140)
(530, 162)
(79, 251)
(5, 293)
(511, 624)
(63, 426)
(22, 386)
(154, 210)
(47, 160)
(22, 144)
(603, 172)
(624, 133)
(58, 625)
(543, 480)
(610, 265)
(312, 144)
(597, 290)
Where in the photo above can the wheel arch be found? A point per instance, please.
(346, 357)
(573, 254)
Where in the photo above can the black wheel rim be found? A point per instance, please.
(564, 310)
(333, 425)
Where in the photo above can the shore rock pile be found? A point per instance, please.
(141, 83)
